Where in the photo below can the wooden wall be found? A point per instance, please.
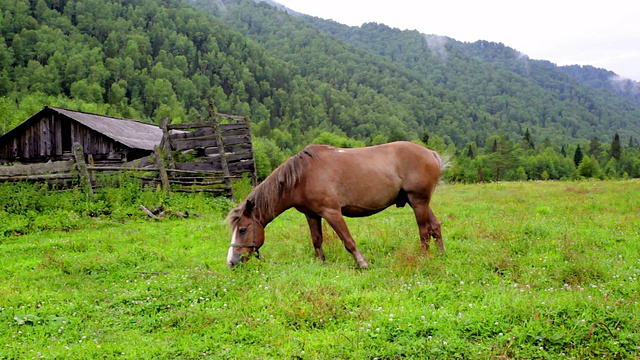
(42, 140)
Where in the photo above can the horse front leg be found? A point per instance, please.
(315, 226)
(336, 221)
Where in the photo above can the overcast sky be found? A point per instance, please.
(605, 34)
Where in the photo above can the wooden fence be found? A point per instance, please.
(196, 157)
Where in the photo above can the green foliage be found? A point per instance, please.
(337, 140)
(26, 207)
(304, 80)
(578, 156)
(616, 147)
(589, 167)
(267, 156)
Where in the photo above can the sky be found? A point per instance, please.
(604, 34)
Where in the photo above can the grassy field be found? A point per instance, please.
(533, 270)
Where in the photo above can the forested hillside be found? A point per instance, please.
(509, 117)
(304, 80)
(516, 91)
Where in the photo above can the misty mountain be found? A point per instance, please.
(505, 83)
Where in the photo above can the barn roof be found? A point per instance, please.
(131, 133)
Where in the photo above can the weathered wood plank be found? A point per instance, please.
(237, 140)
(35, 169)
(38, 177)
(198, 133)
(231, 117)
(240, 148)
(208, 190)
(193, 144)
(241, 167)
(202, 166)
(188, 126)
(201, 183)
(236, 126)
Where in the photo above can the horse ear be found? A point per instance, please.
(248, 207)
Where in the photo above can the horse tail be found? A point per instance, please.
(443, 163)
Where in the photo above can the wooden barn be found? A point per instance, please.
(50, 134)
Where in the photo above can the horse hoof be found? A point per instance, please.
(363, 265)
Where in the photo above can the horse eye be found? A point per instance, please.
(243, 230)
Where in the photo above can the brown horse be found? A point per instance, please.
(325, 182)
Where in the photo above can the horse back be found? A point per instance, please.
(366, 180)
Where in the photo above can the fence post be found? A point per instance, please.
(78, 152)
(254, 174)
(166, 140)
(221, 151)
(163, 172)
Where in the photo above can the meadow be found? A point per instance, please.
(537, 270)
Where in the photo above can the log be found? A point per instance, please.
(37, 169)
(37, 177)
(148, 212)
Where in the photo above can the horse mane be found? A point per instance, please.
(284, 178)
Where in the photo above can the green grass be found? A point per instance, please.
(532, 270)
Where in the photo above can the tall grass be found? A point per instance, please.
(532, 270)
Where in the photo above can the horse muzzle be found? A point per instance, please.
(234, 257)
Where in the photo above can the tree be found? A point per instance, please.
(595, 149)
(611, 168)
(528, 141)
(589, 167)
(616, 147)
(577, 156)
(470, 153)
(503, 159)
(425, 138)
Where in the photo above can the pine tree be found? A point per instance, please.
(594, 148)
(528, 140)
(616, 147)
(577, 156)
(425, 138)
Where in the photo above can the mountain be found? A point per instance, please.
(551, 101)
(302, 79)
(604, 79)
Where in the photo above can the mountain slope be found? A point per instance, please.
(533, 94)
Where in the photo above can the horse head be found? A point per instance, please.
(247, 233)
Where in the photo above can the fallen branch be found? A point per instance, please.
(159, 212)
(594, 326)
(155, 214)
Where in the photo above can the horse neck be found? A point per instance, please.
(265, 216)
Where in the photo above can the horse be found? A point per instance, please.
(327, 182)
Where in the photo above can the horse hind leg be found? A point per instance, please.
(435, 230)
(315, 226)
(428, 225)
